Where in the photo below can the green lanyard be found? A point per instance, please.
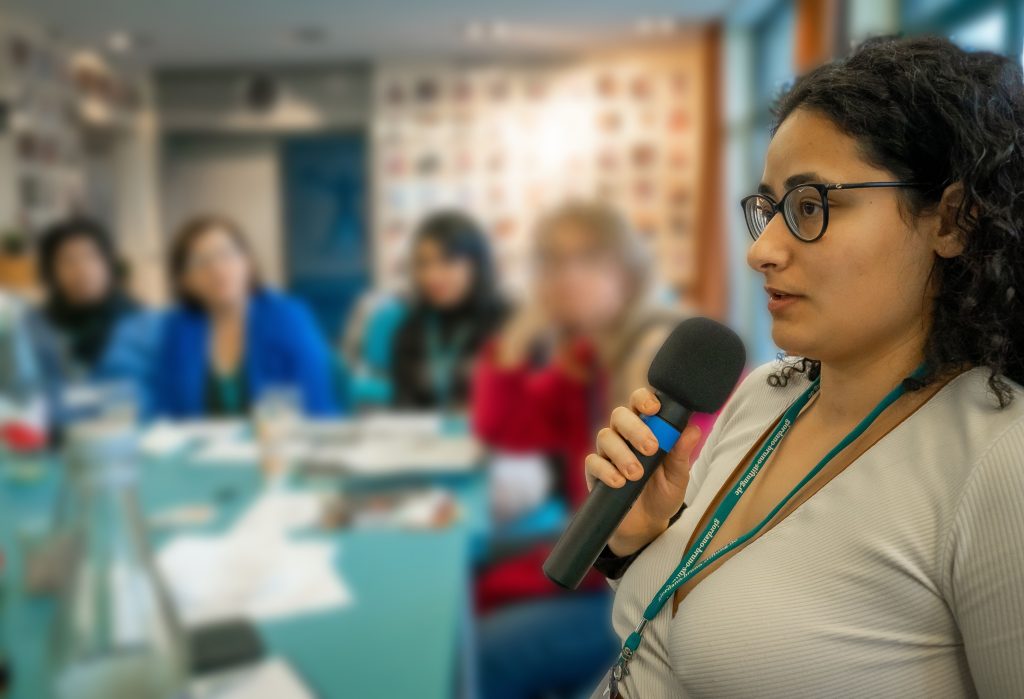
(687, 570)
(229, 393)
(443, 361)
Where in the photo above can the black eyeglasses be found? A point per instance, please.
(804, 208)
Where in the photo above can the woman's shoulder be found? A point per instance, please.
(286, 323)
(988, 522)
(143, 319)
(973, 390)
(968, 406)
(180, 326)
(281, 306)
(141, 327)
(181, 313)
(274, 301)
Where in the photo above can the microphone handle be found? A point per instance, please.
(598, 518)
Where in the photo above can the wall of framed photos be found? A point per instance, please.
(507, 142)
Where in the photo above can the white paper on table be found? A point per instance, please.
(388, 457)
(236, 452)
(402, 425)
(166, 437)
(389, 425)
(258, 577)
(279, 511)
(272, 678)
(239, 452)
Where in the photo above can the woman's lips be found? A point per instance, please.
(779, 300)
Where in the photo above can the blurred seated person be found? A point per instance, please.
(366, 346)
(88, 329)
(546, 384)
(455, 308)
(230, 339)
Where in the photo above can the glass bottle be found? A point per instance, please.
(116, 635)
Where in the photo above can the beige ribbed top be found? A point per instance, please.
(902, 576)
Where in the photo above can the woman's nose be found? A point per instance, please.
(773, 249)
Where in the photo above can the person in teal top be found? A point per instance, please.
(230, 339)
(455, 309)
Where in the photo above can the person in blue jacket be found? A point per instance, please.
(231, 339)
(88, 330)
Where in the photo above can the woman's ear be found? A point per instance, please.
(950, 236)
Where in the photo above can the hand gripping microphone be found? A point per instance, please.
(693, 372)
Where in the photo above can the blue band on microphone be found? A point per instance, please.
(666, 434)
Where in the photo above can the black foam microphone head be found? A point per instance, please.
(699, 364)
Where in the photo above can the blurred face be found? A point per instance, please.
(863, 287)
(580, 284)
(81, 272)
(217, 271)
(443, 281)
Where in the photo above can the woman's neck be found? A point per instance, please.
(228, 313)
(853, 386)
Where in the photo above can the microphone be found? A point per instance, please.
(693, 372)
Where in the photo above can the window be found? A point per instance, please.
(990, 25)
(986, 32)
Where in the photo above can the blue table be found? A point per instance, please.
(405, 635)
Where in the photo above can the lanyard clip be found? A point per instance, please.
(618, 672)
(620, 667)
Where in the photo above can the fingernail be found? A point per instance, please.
(651, 446)
(635, 471)
(619, 481)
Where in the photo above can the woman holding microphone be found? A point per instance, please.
(877, 548)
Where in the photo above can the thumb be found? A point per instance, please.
(677, 461)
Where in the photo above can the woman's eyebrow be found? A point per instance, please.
(802, 178)
(791, 181)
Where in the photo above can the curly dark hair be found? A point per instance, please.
(930, 112)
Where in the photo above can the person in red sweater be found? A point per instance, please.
(546, 384)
